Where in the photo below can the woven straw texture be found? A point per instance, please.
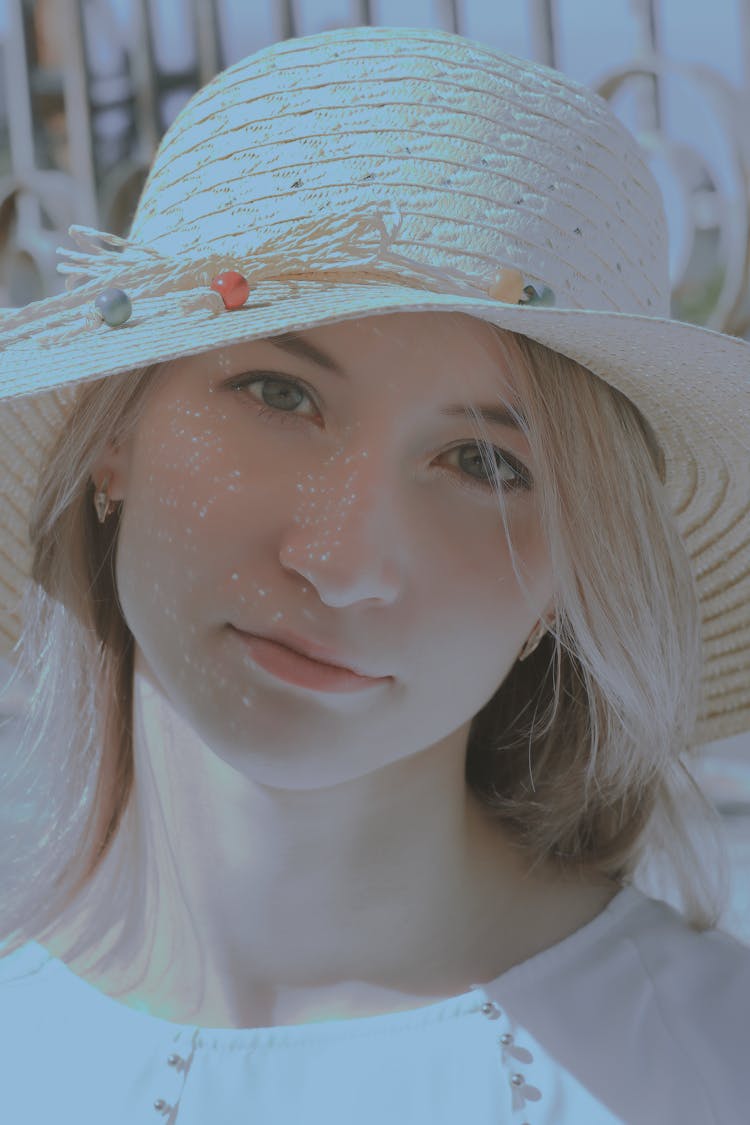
(371, 170)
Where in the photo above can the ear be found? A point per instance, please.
(114, 463)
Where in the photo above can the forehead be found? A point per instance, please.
(456, 336)
(435, 350)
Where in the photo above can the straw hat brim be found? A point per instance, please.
(690, 383)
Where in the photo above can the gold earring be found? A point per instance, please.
(104, 506)
(533, 640)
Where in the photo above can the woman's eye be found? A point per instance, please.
(279, 405)
(510, 474)
(278, 398)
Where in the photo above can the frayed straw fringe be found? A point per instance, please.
(339, 244)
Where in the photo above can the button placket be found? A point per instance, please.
(168, 1108)
(511, 1054)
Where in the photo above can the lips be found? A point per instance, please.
(313, 651)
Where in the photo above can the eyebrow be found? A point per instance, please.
(296, 345)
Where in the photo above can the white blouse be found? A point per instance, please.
(634, 1018)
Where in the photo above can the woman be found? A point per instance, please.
(507, 523)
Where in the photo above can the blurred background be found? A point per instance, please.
(87, 88)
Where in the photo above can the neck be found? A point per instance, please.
(279, 902)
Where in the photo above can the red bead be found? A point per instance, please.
(232, 288)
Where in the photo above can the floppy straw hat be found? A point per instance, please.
(374, 169)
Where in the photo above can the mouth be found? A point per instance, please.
(315, 651)
(294, 667)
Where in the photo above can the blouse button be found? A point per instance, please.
(517, 1080)
(161, 1105)
(506, 1039)
(491, 1010)
(173, 1060)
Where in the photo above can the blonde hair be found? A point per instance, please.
(584, 751)
(581, 753)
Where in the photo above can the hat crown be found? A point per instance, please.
(493, 162)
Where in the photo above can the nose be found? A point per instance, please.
(343, 537)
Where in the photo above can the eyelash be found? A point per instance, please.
(271, 414)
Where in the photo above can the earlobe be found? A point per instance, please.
(102, 503)
(110, 471)
(109, 475)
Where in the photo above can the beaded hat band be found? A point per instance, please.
(371, 170)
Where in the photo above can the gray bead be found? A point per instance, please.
(517, 1080)
(173, 1060)
(491, 1010)
(113, 306)
(506, 1039)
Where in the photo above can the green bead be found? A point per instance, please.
(114, 307)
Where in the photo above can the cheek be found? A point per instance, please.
(488, 556)
(477, 599)
(172, 491)
(184, 470)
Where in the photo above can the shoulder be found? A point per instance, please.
(689, 990)
(23, 982)
(29, 1023)
(66, 1051)
(687, 966)
(637, 938)
(20, 967)
(646, 1012)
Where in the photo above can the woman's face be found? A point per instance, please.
(265, 491)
